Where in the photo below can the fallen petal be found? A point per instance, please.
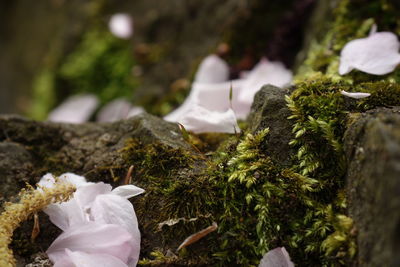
(201, 120)
(92, 238)
(265, 72)
(357, 95)
(117, 109)
(277, 257)
(135, 111)
(65, 214)
(376, 54)
(121, 25)
(212, 69)
(85, 195)
(82, 259)
(49, 180)
(116, 210)
(76, 109)
(127, 191)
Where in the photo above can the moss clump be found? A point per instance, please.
(14, 214)
(101, 64)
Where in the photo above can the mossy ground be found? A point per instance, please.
(257, 203)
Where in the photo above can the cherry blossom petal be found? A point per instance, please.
(75, 109)
(212, 69)
(357, 95)
(48, 180)
(85, 195)
(65, 214)
(214, 97)
(121, 25)
(82, 259)
(127, 191)
(117, 109)
(201, 120)
(277, 257)
(92, 238)
(265, 72)
(376, 54)
(113, 209)
(135, 111)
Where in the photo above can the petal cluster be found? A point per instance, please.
(97, 223)
(214, 102)
(376, 54)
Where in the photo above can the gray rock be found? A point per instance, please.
(372, 145)
(15, 166)
(269, 110)
(83, 148)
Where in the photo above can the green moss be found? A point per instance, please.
(101, 64)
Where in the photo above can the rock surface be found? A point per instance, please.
(372, 145)
(29, 149)
(269, 110)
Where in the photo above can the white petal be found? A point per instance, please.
(113, 209)
(92, 238)
(76, 109)
(121, 25)
(376, 54)
(65, 214)
(117, 109)
(277, 257)
(74, 179)
(214, 97)
(135, 111)
(201, 120)
(47, 180)
(265, 72)
(355, 95)
(82, 259)
(127, 191)
(85, 195)
(212, 69)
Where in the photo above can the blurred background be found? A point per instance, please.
(53, 49)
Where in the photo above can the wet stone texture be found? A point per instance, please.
(269, 110)
(372, 145)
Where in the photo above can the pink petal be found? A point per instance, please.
(76, 109)
(81, 259)
(201, 120)
(117, 109)
(49, 180)
(212, 69)
(87, 194)
(65, 214)
(127, 191)
(277, 257)
(121, 25)
(113, 209)
(376, 54)
(265, 72)
(74, 179)
(135, 111)
(92, 238)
